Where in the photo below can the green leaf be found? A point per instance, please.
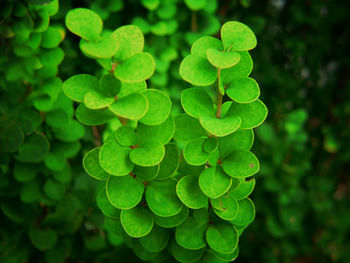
(241, 164)
(187, 128)
(222, 238)
(111, 86)
(124, 192)
(137, 68)
(246, 213)
(34, 149)
(243, 90)
(137, 222)
(237, 141)
(42, 239)
(147, 154)
(130, 88)
(185, 255)
(106, 47)
(92, 165)
(197, 103)
(161, 133)
(146, 173)
(77, 86)
(54, 190)
(170, 162)
(196, 5)
(162, 199)
(133, 106)
(220, 127)
(242, 69)
(237, 36)
(214, 182)
(159, 107)
(156, 240)
(197, 71)
(139, 250)
(52, 37)
(95, 100)
(126, 136)
(225, 206)
(93, 117)
(227, 257)
(84, 23)
(131, 41)
(105, 205)
(194, 153)
(172, 221)
(251, 114)
(113, 225)
(114, 158)
(191, 234)
(210, 145)
(244, 189)
(221, 59)
(190, 194)
(201, 45)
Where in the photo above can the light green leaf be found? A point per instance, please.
(137, 222)
(241, 164)
(214, 182)
(201, 45)
(246, 213)
(210, 145)
(110, 85)
(194, 153)
(92, 165)
(131, 41)
(237, 141)
(137, 68)
(159, 107)
(126, 136)
(172, 221)
(221, 59)
(196, 5)
(106, 47)
(190, 194)
(133, 106)
(244, 189)
(237, 36)
(221, 127)
(243, 90)
(197, 71)
(156, 240)
(124, 192)
(222, 238)
(187, 128)
(225, 206)
(114, 158)
(84, 23)
(242, 69)
(77, 86)
(197, 103)
(95, 100)
(146, 173)
(162, 199)
(105, 205)
(170, 162)
(93, 117)
(147, 154)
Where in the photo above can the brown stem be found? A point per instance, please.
(97, 136)
(194, 26)
(219, 98)
(122, 120)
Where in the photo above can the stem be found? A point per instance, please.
(122, 120)
(97, 136)
(194, 26)
(219, 98)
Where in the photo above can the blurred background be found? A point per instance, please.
(302, 192)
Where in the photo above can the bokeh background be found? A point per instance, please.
(302, 66)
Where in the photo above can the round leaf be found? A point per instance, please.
(137, 222)
(185, 255)
(77, 86)
(237, 36)
(191, 234)
(201, 45)
(187, 128)
(237, 141)
(225, 206)
(147, 154)
(92, 165)
(222, 238)
(242, 69)
(194, 153)
(246, 213)
(243, 90)
(214, 182)
(220, 59)
(105, 205)
(197, 103)
(220, 127)
(170, 162)
(106, 47)
(241, 164)
(172, 221)
(156, 240)
(190, 194)
(133, 106)
(93, 117)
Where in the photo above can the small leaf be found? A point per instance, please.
(210, 145)
(185, 255)
(77, 86)
(197, 103)
(237, 141)
(214, 182)
(137, 222)
(237, 36)
(105, 205)
(226, 206)
(159, 107)
(196, 5)
(106, 47)
(243, 90)
(136, 68)
(241, 164)
(222, 238)
(95, 100)
(111, 86)
(194, 153)
(187, 128)
(125, 136)
(92, 165)
(93, 117)
(220, 127)
(246, 213)
(244, 189)
(197, 71)
(131, 41)
(84, 23)
(146, 173)
(147, 154)
(42, 239)
(221, 59)
(114, 158)
(191, 234)
(133, 106)
(156, 240)
(172, 221)
(113, 225)
(242, 69)
(251, 114)
(124, 192)
(34, 149)
(170, 162)
(190, 194)
(162, 199)
(201, 45)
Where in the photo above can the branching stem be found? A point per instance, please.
(219, 97)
